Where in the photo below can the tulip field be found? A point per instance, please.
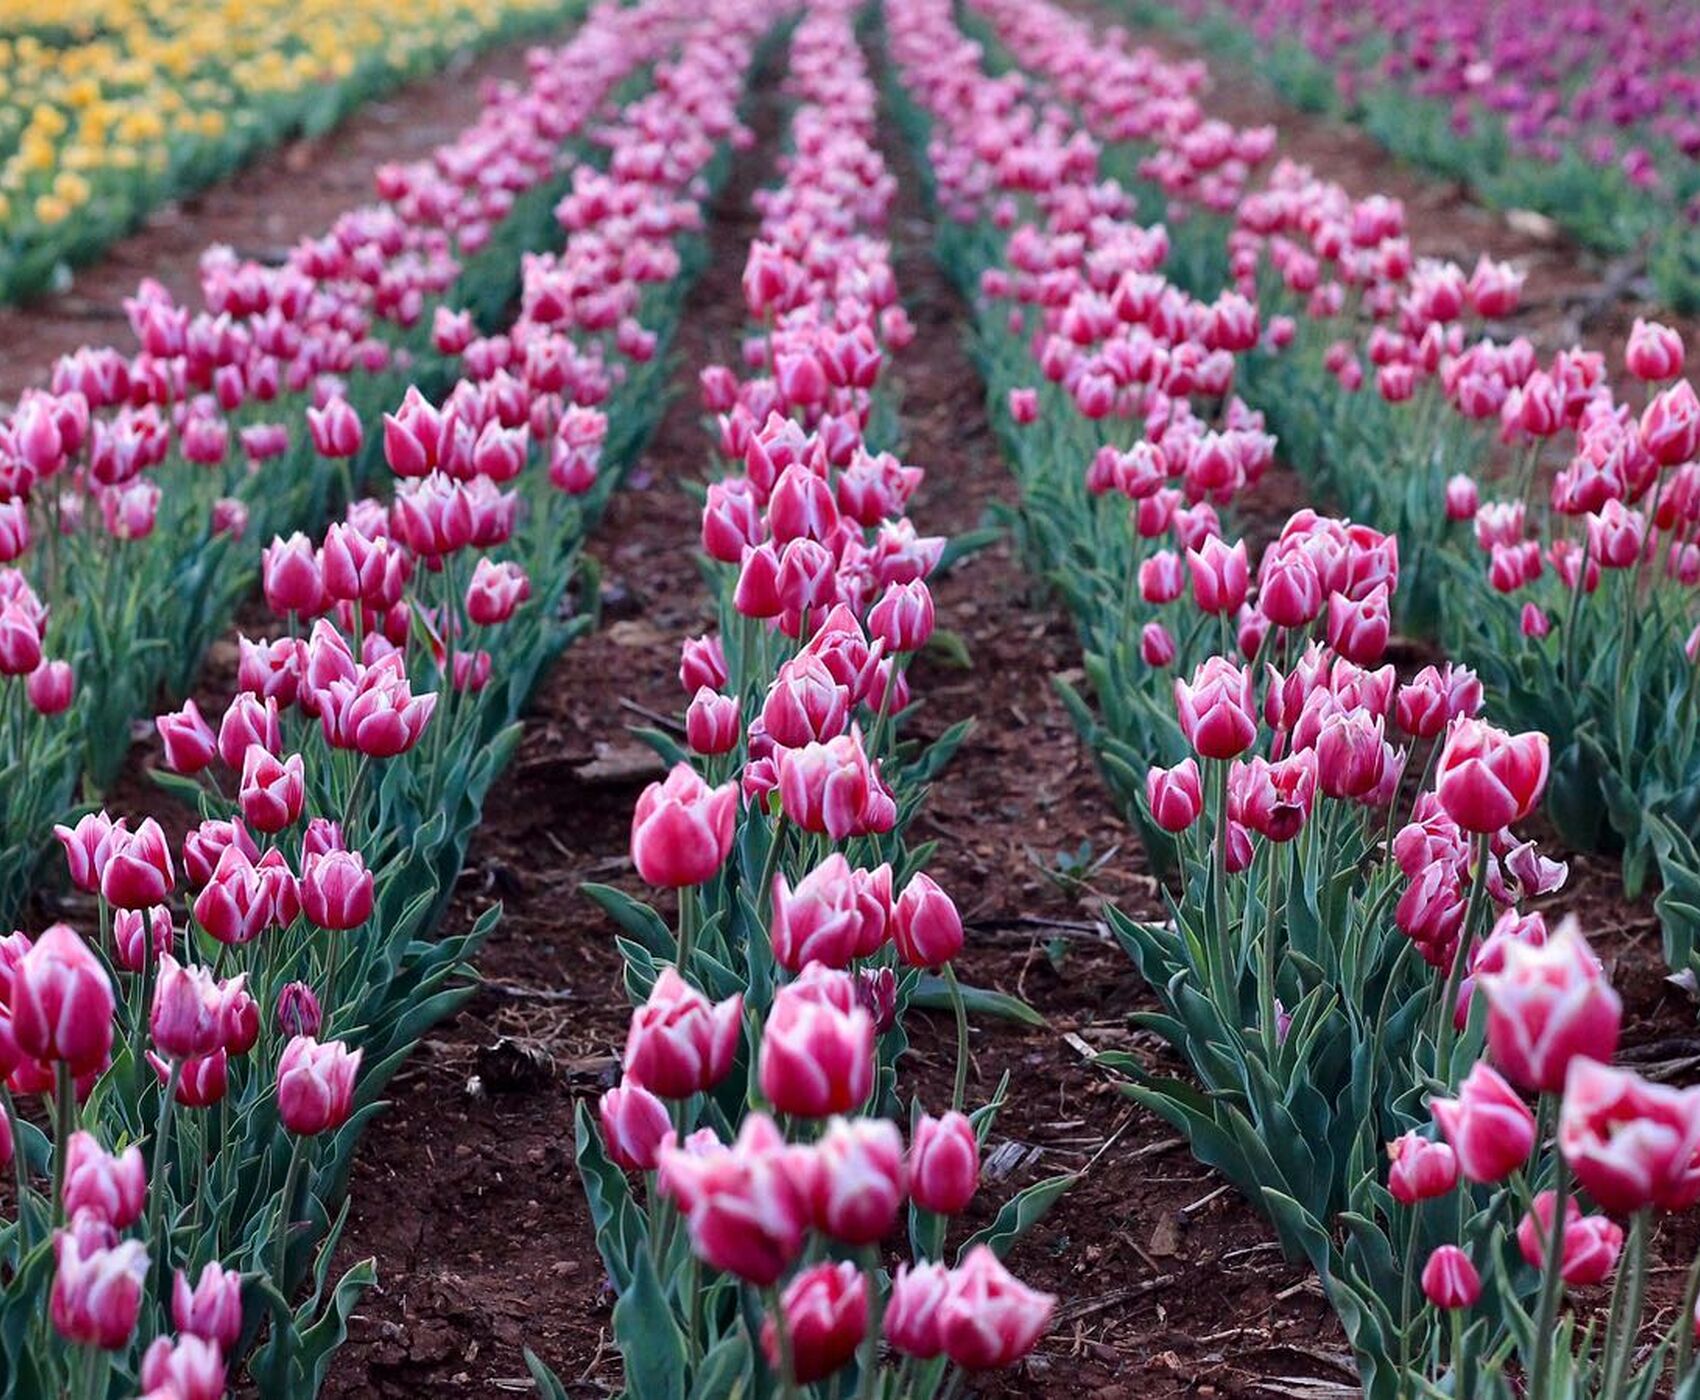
(867, 699)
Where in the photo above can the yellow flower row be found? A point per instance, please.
(109, 106)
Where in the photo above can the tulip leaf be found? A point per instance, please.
(635, 917)
(728, 1371)
(649, 1337)
(933, 994)
(1019, 1214)
(548, 1384)
(619, 1227)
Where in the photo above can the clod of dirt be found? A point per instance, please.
(513, 1066)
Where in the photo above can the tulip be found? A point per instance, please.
(247, 722)
(272, 792)
(682, 829)
(495, 591)
(1420, 1169)
(212, 1309)
(747, 1206)
(298, 1011)
(1358, 628)
(1487, 779)
(702, 663)
(1547, 1004)
(1450, 1280)
(635, 1123)
(97, 1292)
(337, 890)
(911, 1319)
(51, 687)
(806, 704)
(1156, 645)
(821, 921)
(712, 723)
(238, 902)
(1591, 1244)
(825, 788)
(189, 741)
(1670, 425)
(61, 1002)
(1175, 795)
(238, 1016)
(817, 1049)
(138, 872)
(88, 846)
(826, 1316)
(944, 1163)
(204, 848)
(20, 641)
(315, 1085)
(859, 1180)
(292, 578)
(184, 1020)
(1024, 405)
(925, 924)
(1489, 1127)
(903, 617)
(1220, 576)
(189, 1368)
(201, 1082)
(139, 938)
(1216, 710)
(1631, 1143)
(112, 1187)
(679, 1043)
(988, 1319)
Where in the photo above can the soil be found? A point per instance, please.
(287, 194)
(465, 1191)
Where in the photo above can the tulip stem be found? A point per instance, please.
(291, 1179)
(161, 1165)
(1552, 1264)
(1229, 981)
(1685, 1324)
(688, 920)
(65, 1123)
(782, 1335)
(959, 1091)
(1447, 1030)
(20, 1169)
(867, 1366)
(93, 1382)
(1621, 1339)
(1266, 981)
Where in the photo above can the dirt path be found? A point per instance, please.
(282, 196)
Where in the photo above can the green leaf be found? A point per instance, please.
(1020, 1214)
(933, 994)
(648, 1337)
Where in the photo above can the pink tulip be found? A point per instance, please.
(189, 741)
(184, 1019)
(821, 921)
(138, 871)
(682, 829)
(988, 1319)
(679, 1043)
(337, 890)
(1670, 425)
(712, 723)
(825, 788)
(1487, 779)
(140, 938)
(88, 847)
(1591, 1243)
(51, 687)
(112, 1187)
(495, 591)
(201, 1082)
(1654, 352)
(1175, 795)
(292, 578)
(817, 1048)
(1450, 1280)
(1548, 1004)
(212, 1309)
(1631, 1143)
(747, 1205)
(826, 1317)
(911, 1319)
(1420, 1168)
(805, 704)
(238, 902)
(1489, 1127)
(61, 1002)
(315, 1085)
(1216, 711)
(247, 722)
(635, 1123)
(97, 1292)
(1220, 576)
(944, 1163)
(298, 1011)
(859, 1180)
(187, 1368)
(272, 792)
(925, 924)
(1156, 645)
(903, 617)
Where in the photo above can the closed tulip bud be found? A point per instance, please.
(1216, 710)
(337, 890)
(1462, 498)
(97, 1292)
(113, 1187)
(989, 1319)
(88, 846)
(212, 1309)
(184, 1020)
(140, 938)
(61, 1002)
(1175, 795)
(201, 1082)
(702, 663)
(1024, 406)
(826, 1317)
(335, 429)
(903, 617)
(1487, 779)
(1654, 351)
(1631, 1143)
(298, 1011)
(925, 924)
(1670, 425)
(682, 829)
(1591, 1243)
(1359, 629)
(51, 687)
(1489, 1127)
(1547, 1004)
(757, 593)
(1162, 578)
(859, 1180)
(20, 641)
(679, 1043)
(821, 921)
(315, 1085)
(292, 578)
(238, 1016)
(713, 723)
(1220, 575)
(138, 870)
(1156, 645)
(1421, 1169)
(817, 1048)
(731, 520)
(190, 744)
(1450, 1280)
(187, 1368)
(272, 791)
(634, 1125)
(248, 721)
(944, 1163)
(495, 591)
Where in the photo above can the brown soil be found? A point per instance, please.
(287, 194)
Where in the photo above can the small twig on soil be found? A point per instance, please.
(1202, 1201)
(653, 716)
(1086, 1307)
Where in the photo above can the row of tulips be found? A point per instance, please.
(1585, 112)
(128, 486)
(1335, 914)
(102, 119)
(209, 1060)
(747, 1176)
(1549, 527)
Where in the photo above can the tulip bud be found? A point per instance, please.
(61, 1002)
(634, 1125)
(51, 687)
(1450, 1280)
(315, 1085)
(184, 1020)
(1654, 351)
(298, 1011)
(826, 1317)
(1175, 795)
(944, 1163)
(988, 1319)
(712, 723)
(189, 1368)
(925, 924)
(1489, 1127)
(337, 890)
(817, 1048)
(1421, 1168)
(859, 1180)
